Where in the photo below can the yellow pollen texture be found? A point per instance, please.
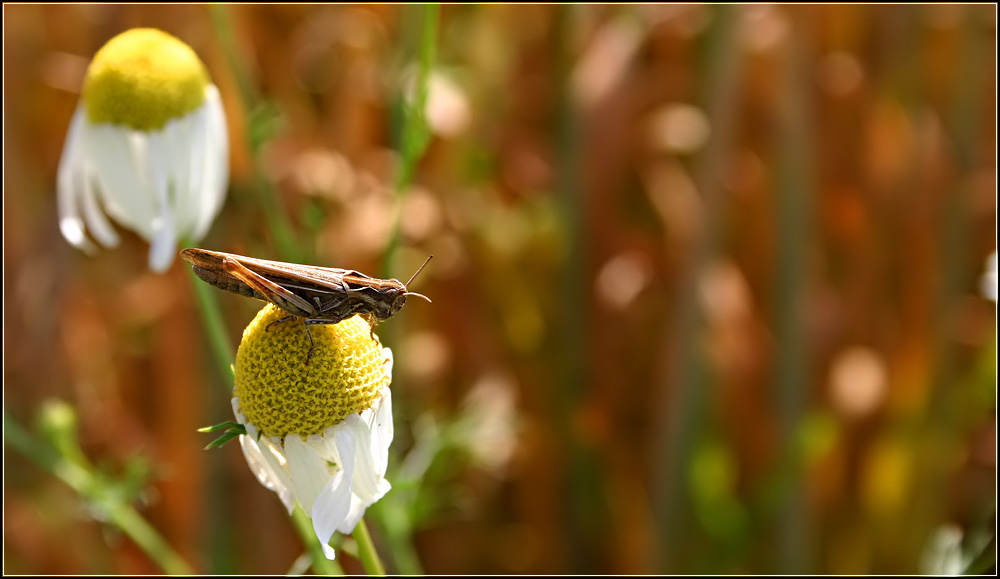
(142, 79)
(280, 394)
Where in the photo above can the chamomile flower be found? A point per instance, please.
(318, 432)
(147, 145)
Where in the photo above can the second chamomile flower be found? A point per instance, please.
(147, 146)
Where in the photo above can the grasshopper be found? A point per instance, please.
(320, 295)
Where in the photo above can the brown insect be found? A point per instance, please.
(320, 295)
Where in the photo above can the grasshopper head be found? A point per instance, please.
(395, 299)
(396, 296)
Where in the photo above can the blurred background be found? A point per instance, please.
(707, 287)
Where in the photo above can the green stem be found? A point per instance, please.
(366, 550)
(222, 348)
(320, 564)
(132, 524)
(684, 418)
(80, 476)
(219, 15)
(415, 134)
(414, 137)
(277, 217)
(794, 222)
(584, 513)
(395, 526)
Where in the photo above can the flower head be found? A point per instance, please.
(317, 433)
(147, 145)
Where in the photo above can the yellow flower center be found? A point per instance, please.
(142, 79)
(280, 394)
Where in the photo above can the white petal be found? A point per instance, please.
(123, 184)
(170, 159)
(369, 472)
(158, 156)
(189, 202)
(69, 185)
(215, 171)
(335, 501)
(268, 469)
(331, 507)
(308, 469)
(235, 403)
(347, 443)
(97, 223)
(163, 246)
(383, 431)
(365, 480)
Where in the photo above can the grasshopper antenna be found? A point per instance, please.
(419, 269)
(418, 295)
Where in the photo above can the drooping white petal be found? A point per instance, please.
(97, 223)
(268, 469)
(308, 469)
(163, 245)
(265, 459)
(185, 138)
(329, 510)
(382, 432)
(215, 173)
(369, 484)
(124, 191)
(345, 437)
(69, 182)
(151, 155)
(189, 201)
(178, 140)
(334, 503)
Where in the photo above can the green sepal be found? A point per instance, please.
(232, 430)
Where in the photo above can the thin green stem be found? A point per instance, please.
(683, 416)
(320, 564)
(80, 476)
(219, 15)
(395, 525)
(366, 550)
(794, 217)
(585, 516)
(260, 118)
(139, 530)
(413, 141)
(415, 134)
(222, 348)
